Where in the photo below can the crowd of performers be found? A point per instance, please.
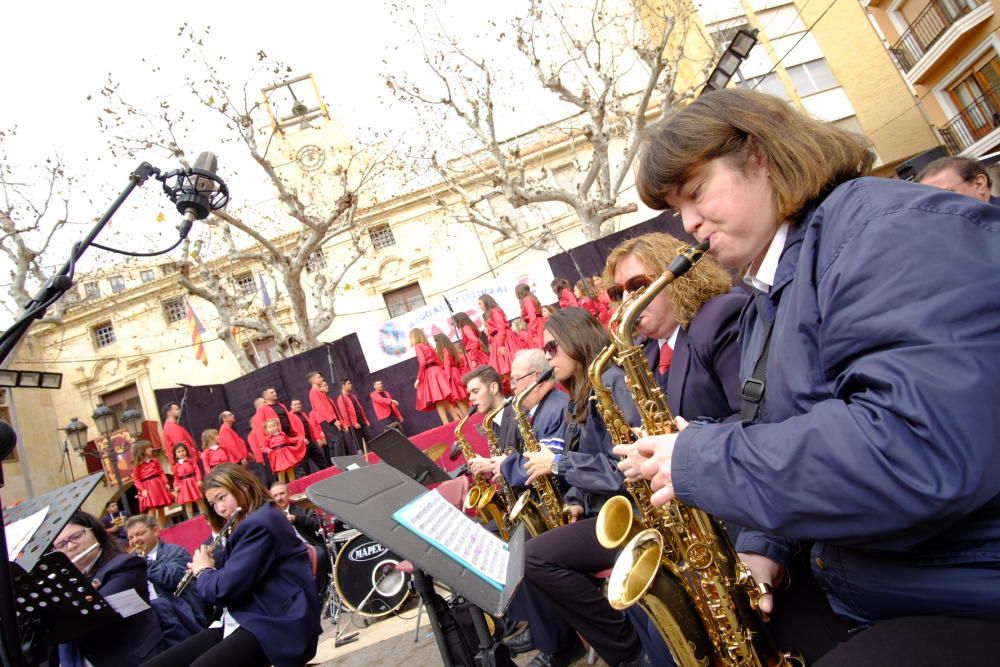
(834, 411)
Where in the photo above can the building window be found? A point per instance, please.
(147, 275)
(245, 284)
(92, 290)
(104, 334)
(381, 237)
(174, 310)
(316, 261)
(403, 300)
(120, 400)
(117, 284)
(812, 77)
(262, 352)
(767, 83)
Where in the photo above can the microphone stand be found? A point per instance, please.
(11, 653)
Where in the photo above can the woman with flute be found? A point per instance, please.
(265, 588)
(872, 349)
(99, 557)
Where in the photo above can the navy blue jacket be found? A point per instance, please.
(589, 466)
(166, 572)
(130, 641)
(704, 375)
(268, 587)
(880, 433)
(548, 424)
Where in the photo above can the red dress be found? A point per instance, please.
(604, 309)
(568, 300)
(432, 381)
(285, 452)
(186, 478)
(534, 321)
(456, 369)
(475, 357)
(215, 455)
(148, 476)
(588, 305)
(503, 343)
(175, 434)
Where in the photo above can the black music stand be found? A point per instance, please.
(399, 451)
(367, 498)
(50, 593)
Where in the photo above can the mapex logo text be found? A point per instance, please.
(366, 551)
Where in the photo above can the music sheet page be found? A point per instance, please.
(445, 526)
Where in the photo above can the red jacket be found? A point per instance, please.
(351, 408)
(231, 441)
(323, 408)
(382, 402)
(175, 434)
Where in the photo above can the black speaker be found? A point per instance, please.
(908, 170)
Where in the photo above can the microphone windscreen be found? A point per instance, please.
(207, 162)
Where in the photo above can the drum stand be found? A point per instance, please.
(335, 608)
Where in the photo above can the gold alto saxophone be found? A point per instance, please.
(681, 567)
(494, 445)
(482, 496)
(551, 511)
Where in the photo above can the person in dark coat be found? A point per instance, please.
(123, 643)
(114, 520)
(309, 528)
(266, 588)
(875, 438)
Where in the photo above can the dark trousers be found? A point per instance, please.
(262, 471)
(335, 439)
(354, 437)
(209, 649)
(317, 456)
(559, 563)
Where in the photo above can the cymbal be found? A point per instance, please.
(434, 452)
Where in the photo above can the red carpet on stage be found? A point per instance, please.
(192, 533)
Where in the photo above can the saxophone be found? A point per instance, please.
(552, 511)
(678, 562)
(482, 495)
(494, 444)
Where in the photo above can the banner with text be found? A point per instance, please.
(389, 342)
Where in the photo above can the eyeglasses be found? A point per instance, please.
(550, 348)
(73, 538)
(633, 284)
(518, 379)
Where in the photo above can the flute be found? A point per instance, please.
(189, 575)
(83, 553)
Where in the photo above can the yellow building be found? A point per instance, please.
(947, 50)
(826, 59)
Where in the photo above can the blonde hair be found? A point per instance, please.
(705, 280)
(417, 335)
(209, 436)
(805, 158)
(269, 422)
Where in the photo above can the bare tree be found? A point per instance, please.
(613, 64)
(34, 208)
(300, 215)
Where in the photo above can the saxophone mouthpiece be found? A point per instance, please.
(546, 376)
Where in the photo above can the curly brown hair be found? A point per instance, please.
(706, 279)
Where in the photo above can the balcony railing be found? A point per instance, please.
(973, 122)
(926, 29)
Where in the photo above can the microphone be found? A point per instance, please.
(197, 185)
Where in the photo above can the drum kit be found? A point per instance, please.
(365, 580)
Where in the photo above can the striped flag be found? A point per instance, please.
(196, 331)
(265, 297)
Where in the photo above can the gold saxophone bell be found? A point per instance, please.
(482, 495)
(138, 550)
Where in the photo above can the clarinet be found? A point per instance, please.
(226, 528)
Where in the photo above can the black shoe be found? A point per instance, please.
(561, 658)
(520, 643)
(515, 628)
(640, 660)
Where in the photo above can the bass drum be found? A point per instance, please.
(366, 578)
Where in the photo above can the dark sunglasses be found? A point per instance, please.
(550, 348)
(632, 285)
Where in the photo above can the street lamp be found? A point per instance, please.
(737, 51)
(133, 421)
(104, 418)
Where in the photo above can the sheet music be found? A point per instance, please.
(127, 602)
(353, 466)
(20, 532)
(445, 526)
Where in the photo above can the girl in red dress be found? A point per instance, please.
(531, 313)
(603, 300)
(433, 386)
(585, 296)
(455, 367)
(471, 342)
(212, 453)
(187, 480)
(283, 452)
(149, 478)
(567, 299)
(503, 342)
